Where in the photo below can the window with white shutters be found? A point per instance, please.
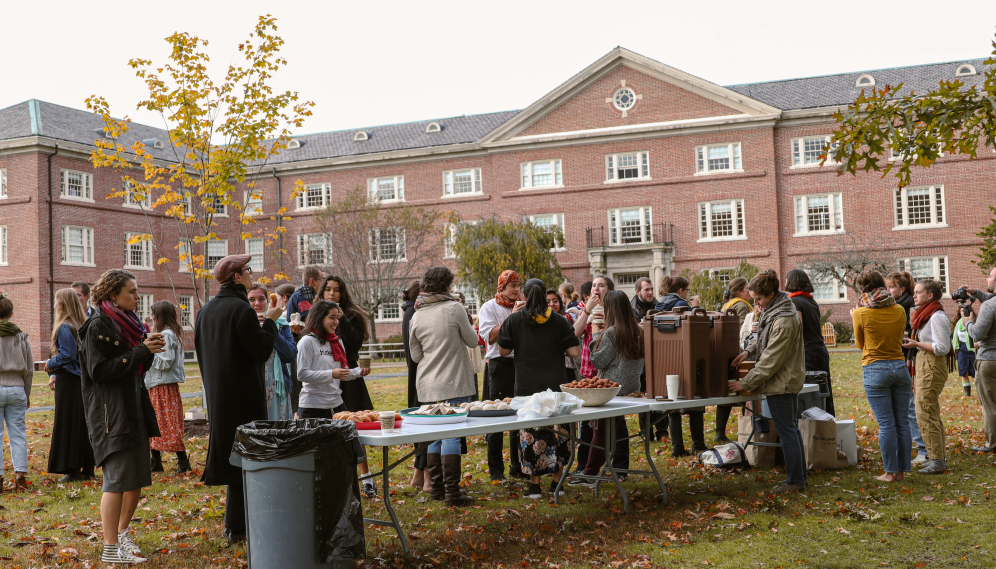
(314, 196)
(721, 220)
(462, 182)
(924, 268)
(77, 185)
(77, 246)
(386, 189)
(629, 166)
(718, 158)
(818, 214)
(919, 207)
(629, 226)
(540, 174)
(138, 251)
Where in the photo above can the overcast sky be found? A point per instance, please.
(372, 63)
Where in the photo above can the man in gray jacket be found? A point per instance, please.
(982, 329)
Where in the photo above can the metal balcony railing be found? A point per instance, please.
(601, 236)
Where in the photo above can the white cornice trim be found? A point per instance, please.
(69, 149)
(637, 62)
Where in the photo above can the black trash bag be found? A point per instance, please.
(338, 509)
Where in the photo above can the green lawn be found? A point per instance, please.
(845, 519)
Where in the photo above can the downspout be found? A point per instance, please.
(51, 237)
(280, 235)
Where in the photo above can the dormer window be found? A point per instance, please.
(433, 127)
(154, 143)
(965, 70)
(865, 80)
(360, 136)
(103, 133)
(293, 143)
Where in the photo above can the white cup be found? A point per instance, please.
(673, 384)
(387, 421)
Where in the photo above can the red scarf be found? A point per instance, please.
(800, 293)
(923, 314)
(338, 354)
(127, 323)
(503, 280)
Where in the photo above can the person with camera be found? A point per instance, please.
(963, 347)
(982, 329)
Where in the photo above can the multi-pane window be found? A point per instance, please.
(137, 195)
(626, 279)
(460, 182)
(314, 249)
(187, 312)
(549, 220)
(538, 174)
(185, 254)
(829, 289)
(807, 151)
(77, 185)
(722, 275)
(138, 251)
(254, 247)
(77, 246)
(144, 308)
(627, 166)
(391, 188)
(217, 250)
(3, 244)
(3, 182)
(469, 298)
(821, 213)
(923, 268)
(629, 226)
(314, 196)
(919, 207)
(387, 244)
(721, 220)
(389, 311)
(714, 158)
(451, 235)
(254, 203)
(215, 203)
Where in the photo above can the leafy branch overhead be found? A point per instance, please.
(221, 136)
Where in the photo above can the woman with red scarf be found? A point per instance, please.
(114, 356)
(800, 290)
(932, 340)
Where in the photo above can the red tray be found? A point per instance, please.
(376, 426)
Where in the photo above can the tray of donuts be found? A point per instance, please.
(489, 408)
(366, 420)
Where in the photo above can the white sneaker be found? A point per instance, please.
(921, 458)
(116, 555)
(126, 543)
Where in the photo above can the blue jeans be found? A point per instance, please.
(448, 446)
(914, 427)
(784, 410)
(889, 390)
(13, 405)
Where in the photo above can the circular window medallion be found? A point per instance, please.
(624, 99)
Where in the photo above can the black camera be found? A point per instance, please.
(961, 295)
(966, 310)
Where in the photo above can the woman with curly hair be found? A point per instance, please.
(114, 356)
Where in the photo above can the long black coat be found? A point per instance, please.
(110, 374)
(412, 366)
(231, 350)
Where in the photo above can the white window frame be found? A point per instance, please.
(184, 246)
(3, 183)
(612, 166)
(129, 200)
(558, 220)
(799, 151)
(86, 180)
(838, 290)
(208, 265)
(380, 312)
(303, 202)
(472, 304)
(186, 311)
(646, 225)
(3, 245)
(735, 156)
(373, 189)
(220, 209)
(451, 237)
(254, 205)
(449, 183)
(528, 177)
(144, 308)
(940, 266)
(257, 263)
(87, 239)
(303, 251)
(704, 215)
(401, 253)
(801, 204)
(901, 209)
(144, 247)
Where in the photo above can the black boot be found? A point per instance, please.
(722, 418)
(182, 462)
(696, 423)
(73, 476)
(677, 437)
(157, 461)
(968, 390)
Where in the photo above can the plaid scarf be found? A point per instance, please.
(878, 298)
(127, 323)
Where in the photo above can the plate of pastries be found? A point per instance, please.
(366, 420)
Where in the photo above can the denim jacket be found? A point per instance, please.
(167, 366)
(68, 357)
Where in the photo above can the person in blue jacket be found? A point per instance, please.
(278, 374)
(674, 293)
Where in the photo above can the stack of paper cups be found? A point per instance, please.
(673, 383)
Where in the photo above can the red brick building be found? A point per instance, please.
(648, 170)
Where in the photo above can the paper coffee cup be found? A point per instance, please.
(673, 384)
(363, 362)
(387, 421)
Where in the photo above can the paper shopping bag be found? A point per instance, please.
(819, 439)
(760, 457)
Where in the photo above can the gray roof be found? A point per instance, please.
(832, 90)
(63, 123)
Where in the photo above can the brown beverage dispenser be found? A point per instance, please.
(724, 343)
(677, 343)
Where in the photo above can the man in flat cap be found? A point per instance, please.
(232, 347)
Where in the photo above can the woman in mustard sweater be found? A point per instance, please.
(879, 324)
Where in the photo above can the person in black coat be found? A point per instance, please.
(232, 348)
(114, 354)
(409, 296)
(353, 332)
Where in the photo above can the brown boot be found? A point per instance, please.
(434, 472)
(451, 479)
(20, 483)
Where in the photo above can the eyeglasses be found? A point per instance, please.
(247, 268)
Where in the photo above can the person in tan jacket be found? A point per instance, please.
(781, 369)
